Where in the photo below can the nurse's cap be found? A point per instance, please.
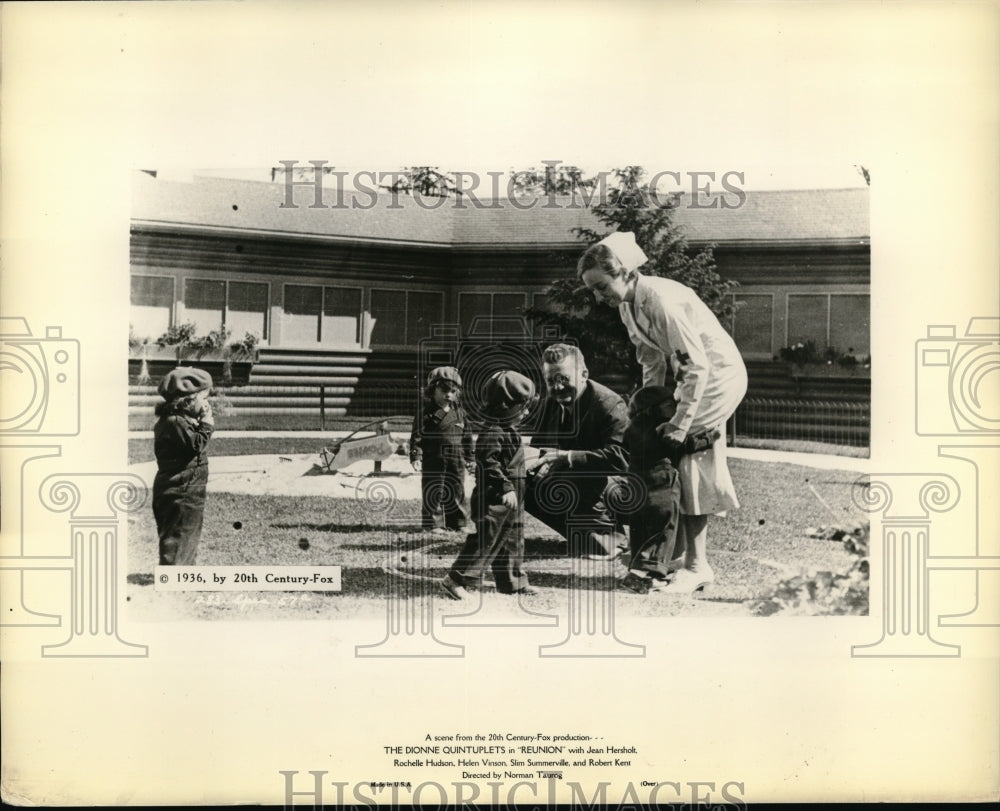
(622, 244)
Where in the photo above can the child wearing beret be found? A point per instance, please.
(441, 450)
(498, 497)
(180, 436)
(653, 529)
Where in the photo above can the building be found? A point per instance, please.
(362, 278)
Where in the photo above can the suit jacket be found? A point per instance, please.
(672, 328)
(593, 433)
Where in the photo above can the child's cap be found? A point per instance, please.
(506, 393)
(650, 396)
(623, 245)
(182, 381)
(442, 374)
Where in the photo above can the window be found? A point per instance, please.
(474, 309)
(497, 314)
(246, 309)
(389, 317)
(850, 324)
(841, 321)
(239, 306)
(423, 311)
(404, 317)
(341, 315)
(204, 304)
(152, 304)
(807, 319)
(302, 308)
(752, 322)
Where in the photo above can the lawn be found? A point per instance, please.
(750, 550)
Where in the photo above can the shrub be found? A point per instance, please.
(824, 593)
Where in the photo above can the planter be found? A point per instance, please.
(824, 370)
(225, 372)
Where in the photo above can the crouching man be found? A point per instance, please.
(580, 432)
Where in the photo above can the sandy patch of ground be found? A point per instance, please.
(302, 475)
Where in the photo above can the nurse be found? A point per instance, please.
(678, 342)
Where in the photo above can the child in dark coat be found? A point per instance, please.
(653, 529)
(180, 436)
(498, 497)
(441, 450)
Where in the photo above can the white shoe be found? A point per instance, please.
(687, 582)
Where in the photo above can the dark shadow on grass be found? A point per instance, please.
(545, 548)
(374, 582)
(357, 527)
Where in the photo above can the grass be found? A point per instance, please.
(747, 549)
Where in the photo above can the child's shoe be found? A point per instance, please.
(454, 590)
(636, 582)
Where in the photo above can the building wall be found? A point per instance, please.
(324, 294)
(798, 294)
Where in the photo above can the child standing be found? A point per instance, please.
(498, 497)
(183, 428)
(441, 450)
(654, 459)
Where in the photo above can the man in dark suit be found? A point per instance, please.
(580, 432)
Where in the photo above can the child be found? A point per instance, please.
(180, 435)
(498, 498)
(653, 529)
(441, 450)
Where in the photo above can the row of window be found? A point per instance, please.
(325, 315)
(330, 315)
(838, 320)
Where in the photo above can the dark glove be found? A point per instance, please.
(701, 441)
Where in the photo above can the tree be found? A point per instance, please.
(426, 181)
(597, 329)
(554, 179)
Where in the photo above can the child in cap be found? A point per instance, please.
(180, 436)
(441, 450)
(498, 497)
(653, 529)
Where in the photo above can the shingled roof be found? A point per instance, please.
(822, 216)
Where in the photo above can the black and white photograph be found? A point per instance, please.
(352, 340)
(522, 404)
